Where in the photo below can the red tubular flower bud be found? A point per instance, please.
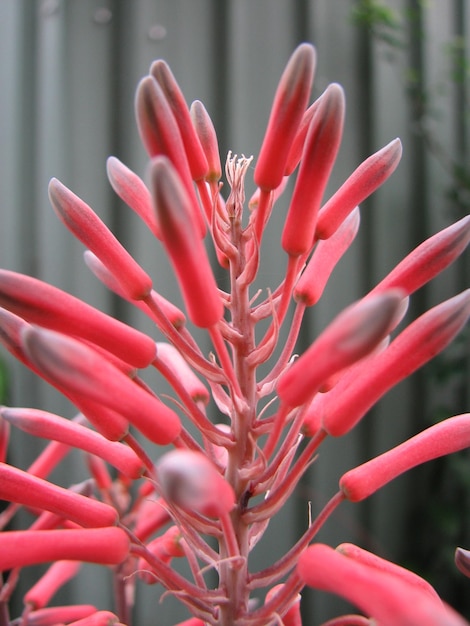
(54, 578)
(349, 401)
(48, 459)
(385, 597)
(194, 153)
(350, 337)
(40, 303)
(190, 481)
(450, 435)
(368, 558)
(80, 370)
(428, 259)
(164, 548)
(161, 136)
(295, 152)
(172, 312)
(177, 364)
(83, 222)
(292, 616)
(133, 191)
(208, 139)
(19, 548)
(462, 560)
(60, 615)
(290, 102)
(100, 618)
(23, 488)
(185, 249)
(318, 157)
(312, 282)
(152, 515)
(43, 424)
(372, 173)
(4, 439)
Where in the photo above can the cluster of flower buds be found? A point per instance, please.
(240, 441)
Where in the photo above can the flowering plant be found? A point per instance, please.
(210, 498)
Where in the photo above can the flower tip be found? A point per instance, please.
(462, 561)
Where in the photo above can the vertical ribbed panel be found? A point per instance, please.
(68, 72)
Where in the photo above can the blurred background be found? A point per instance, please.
(68, 73)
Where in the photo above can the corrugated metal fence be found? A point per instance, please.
(68, 71)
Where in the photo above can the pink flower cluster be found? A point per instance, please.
(209, 498)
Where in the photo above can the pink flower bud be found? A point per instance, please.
(208, 140)
(133, 191)
(164, 548)
(100, 618)
(368, 558)
(180, 368)
(462, 560)
(4, 439)
(151, 517)
(296, 149)
(350, 337)
(290, 102)
(60, 615)
(190, 481)
(185, 249)
(372, 173)
(19, 548)
(312, 282)
(383, 596)
(354, 395)
(161, 136)
(428, 259)
(48, 459)
(54, 578)
(194, 153)
(450, 435)
(23, 488)
(83, 222)
(292, 616)
(80, 370)
(43, 424)
(318, 157)
(172, 312)
(40, 303)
